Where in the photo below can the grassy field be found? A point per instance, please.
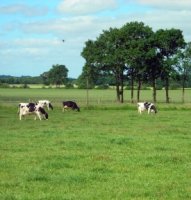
(96, 97)
(99, 153)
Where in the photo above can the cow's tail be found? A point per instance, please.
(43, 112)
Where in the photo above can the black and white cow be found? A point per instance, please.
(32, 109)
(70, 105)
(143, 106)
(46, 103)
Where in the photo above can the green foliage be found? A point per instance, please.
(45, 78)
(21, 80)
(85, 82)
(69, 86)
(136, 52)
(58, 75)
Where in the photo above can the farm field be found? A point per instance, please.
(103, 152)
(96, 96)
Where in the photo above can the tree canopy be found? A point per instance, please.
(57, 75)
(133, 53)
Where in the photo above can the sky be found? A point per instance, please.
(37, 34)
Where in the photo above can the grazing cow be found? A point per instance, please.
(32, 109)
(46, 103)
(70, 104)
(21, 105)
(150, 107)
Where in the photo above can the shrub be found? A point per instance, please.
(4, 85)
(24, 86)
(104, 86)
(69, 86)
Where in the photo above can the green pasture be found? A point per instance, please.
(107, 151)
(95, 97)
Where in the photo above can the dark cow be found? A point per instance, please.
(150, 107)
(70, 104)
(32, 108)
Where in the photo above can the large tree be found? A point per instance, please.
(136, 45)
(184, 66)
(90, 72)
(111, 59)
(136, 52)
(58, 75)
(105, 56)
(120, 51)
(169, 42)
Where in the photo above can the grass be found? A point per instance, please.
(96, 97)
(110, 153)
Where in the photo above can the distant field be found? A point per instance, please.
(105, 152)
(96, 97)
(32, 86)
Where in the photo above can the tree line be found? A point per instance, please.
(57, 75)
(137, 54)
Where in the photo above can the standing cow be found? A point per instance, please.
(143, 106)
(70, 105)
(32, 109)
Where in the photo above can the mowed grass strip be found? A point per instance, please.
(95, 154)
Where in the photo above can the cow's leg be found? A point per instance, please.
(64, 108)
(21, 115)
(38, 114)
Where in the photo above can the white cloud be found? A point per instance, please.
(165, 19)
(78, 7)
(168, 4)
(23, 9)
(37, 42)
(29, 43)
(89, 27)
(27, 52)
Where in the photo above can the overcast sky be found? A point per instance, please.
(31, 31)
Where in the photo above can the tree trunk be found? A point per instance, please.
(183, 92)
(117, 89)
(87, 92)
(118, 93)
(132, 89)
(154, 90)
(117, 79)
(121, 91)
(167, 89)
(138, 90)
(183, 88)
